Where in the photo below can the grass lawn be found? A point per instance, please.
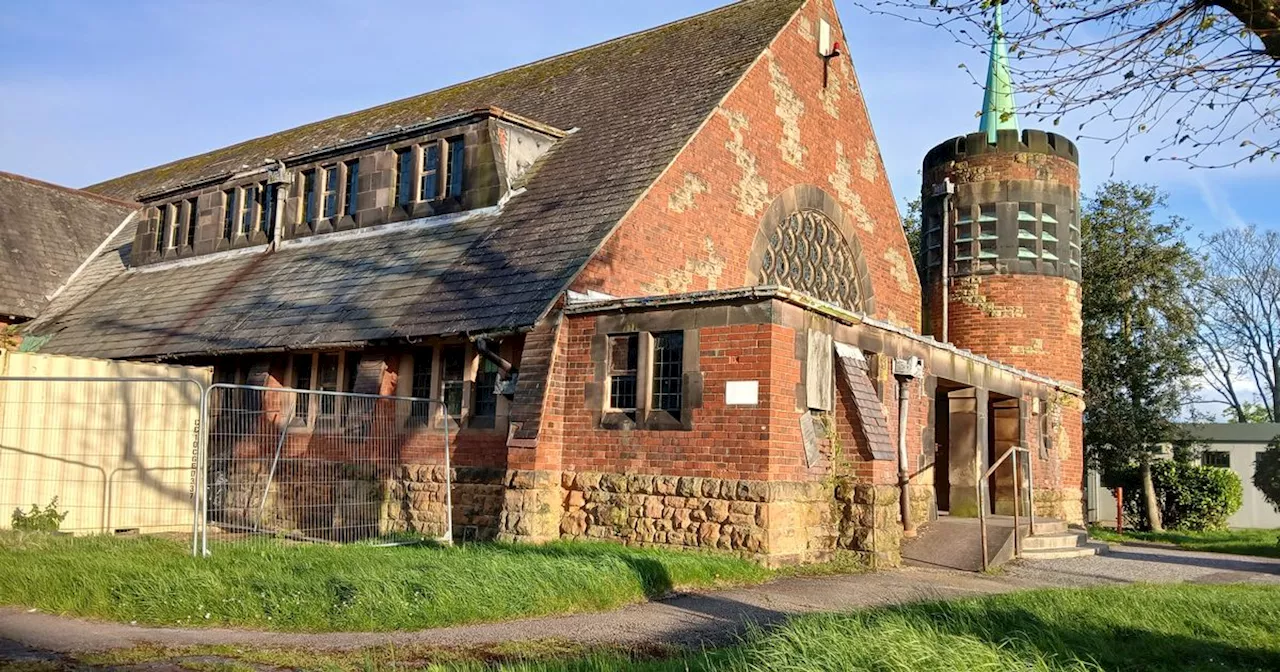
(1243, 542)
(1140, 627)
(155, 581)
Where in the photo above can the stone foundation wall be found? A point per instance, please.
(416, 501)
(708, 513)
(775, 522)
(868, 518)
(313, 499)
(532, 506)
(1065, 504)
(349, 502)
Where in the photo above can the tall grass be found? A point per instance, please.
(1141, 627)
(1264, 543)
(1131, 628)
(316, 587)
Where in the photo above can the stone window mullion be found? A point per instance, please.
(644, 376)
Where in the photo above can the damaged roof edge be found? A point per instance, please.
(97, 252)
(806, 301)
(341, 345)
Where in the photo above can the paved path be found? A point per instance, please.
(689, 619)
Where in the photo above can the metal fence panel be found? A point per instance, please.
(308, 465)
(119, 454)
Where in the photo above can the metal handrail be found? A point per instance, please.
(1017, 502)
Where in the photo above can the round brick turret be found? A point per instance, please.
(1014, 254)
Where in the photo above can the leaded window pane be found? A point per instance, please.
(404, 176)
(309, 196)
(809, 254)
(668, 372)
(454, 361)
(327, 380)
(331, 191)
(486, 379)
(353, 187)
(193, 217)
(456, 160)
(267, 210)
(246, 216)
(229, 216)
(429, 187)
(302, 381)
(623, 358)
(420, 385)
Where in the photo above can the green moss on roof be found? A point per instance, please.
(530, 90)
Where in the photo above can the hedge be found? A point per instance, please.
(1190, 496)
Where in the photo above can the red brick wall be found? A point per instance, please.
(1028, 321)
(726, 442)
(694, 229)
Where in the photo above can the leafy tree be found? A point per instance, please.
(1247, 412)
(1200, 75)
(911, 225)
(1239, 335)
(1137, 330)
(1266, 472)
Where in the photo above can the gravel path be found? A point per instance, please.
(689, 619)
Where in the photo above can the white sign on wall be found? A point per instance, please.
(742, 393)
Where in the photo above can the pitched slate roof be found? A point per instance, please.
(635, 101)
(46, 232)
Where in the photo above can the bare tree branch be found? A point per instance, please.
(1201, 76)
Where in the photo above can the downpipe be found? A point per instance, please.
(904, 475)
(905, 371)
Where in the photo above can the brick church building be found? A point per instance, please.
(660, 284)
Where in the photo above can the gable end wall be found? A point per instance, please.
(779, 127)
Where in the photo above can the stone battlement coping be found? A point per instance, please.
(797, 298)
(1007, 142)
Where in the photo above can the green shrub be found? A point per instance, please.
(39, 520)
(1190, 496)
(1266, 472)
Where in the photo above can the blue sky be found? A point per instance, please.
(90, 89)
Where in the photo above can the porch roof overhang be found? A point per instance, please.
(812, 304)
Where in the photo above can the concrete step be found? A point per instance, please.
(1088, 548)
(1051, 541)
(1050, 526)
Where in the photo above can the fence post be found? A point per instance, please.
(448, 481)
(1119, 510)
